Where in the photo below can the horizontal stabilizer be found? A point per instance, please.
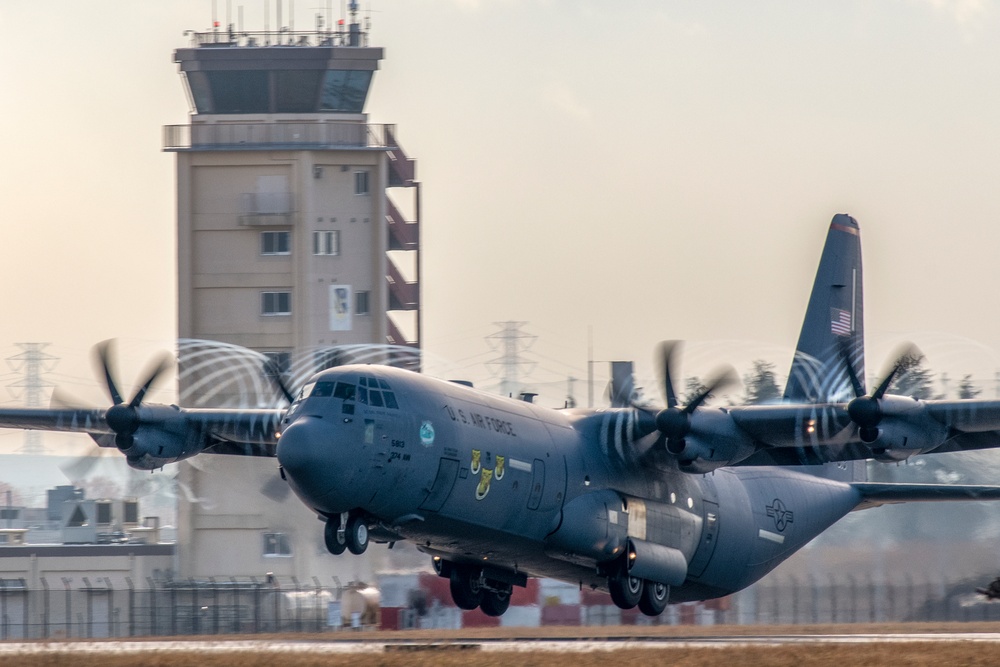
(874, 494)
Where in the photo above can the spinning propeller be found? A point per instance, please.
(674, 422)
(122, 417)
(865, 410)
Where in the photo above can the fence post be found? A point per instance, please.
(833, 600)
(256, 605)
(131, 607)
(151, 594)
(90, 608)
(69, 618)
(215, 606)
(236, 605)
(25, 612)
(112, 610)
(45, 608)
(3, 607)
(298, 608)
(319, 604)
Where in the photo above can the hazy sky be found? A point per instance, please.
(651, 170)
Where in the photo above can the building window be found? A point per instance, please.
(275, 243)
(361, 182)
(277, 544)
(277, 363)
(326, 243)
(275, 303)
(361, 303)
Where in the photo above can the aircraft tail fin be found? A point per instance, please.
(833, 329)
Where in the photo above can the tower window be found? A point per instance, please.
(275, 303)
(326, 242)
(361, 303)
(275, 243)
(277, 544)
(361, 182)
(277, 363)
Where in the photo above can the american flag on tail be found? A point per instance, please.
(840, 322)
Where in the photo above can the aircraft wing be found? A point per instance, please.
(151, 436)
(874, 494)
(809, 434)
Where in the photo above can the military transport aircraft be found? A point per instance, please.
(689, 502)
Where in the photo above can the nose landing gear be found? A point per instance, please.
(346, 531)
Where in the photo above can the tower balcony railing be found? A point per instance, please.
(266, 208)
(270, 135)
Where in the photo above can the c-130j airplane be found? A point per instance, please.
(685, 503)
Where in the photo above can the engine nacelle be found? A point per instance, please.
(714, 441)
(164, 436)
(904, 430)
(594, 529)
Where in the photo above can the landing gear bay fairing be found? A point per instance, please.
(689, 502)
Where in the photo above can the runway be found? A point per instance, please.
(567, 645)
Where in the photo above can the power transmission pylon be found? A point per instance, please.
(511, 342)
(34, 363)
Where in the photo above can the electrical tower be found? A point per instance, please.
(510, 341)
(33, 362)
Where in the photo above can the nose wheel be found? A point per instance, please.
(356, 535)
(333, 535)
(346, 532)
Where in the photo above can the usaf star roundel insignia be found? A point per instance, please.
(782, 516)
(427, 434)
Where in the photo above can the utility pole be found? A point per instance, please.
(510, 341)
(34, 363)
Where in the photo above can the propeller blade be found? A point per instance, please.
(906, 355)
(857, 383)
(103, 352)
(164, 363)
(276, 489)
(272, 370)
(726, 376)
(668, 351)
(60, 400)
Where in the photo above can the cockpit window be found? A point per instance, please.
(376, 398)
(322, 389)
(306, 390)
(345, 391)
(362, 395)
(390, 400)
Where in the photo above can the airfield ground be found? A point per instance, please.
(460, 649)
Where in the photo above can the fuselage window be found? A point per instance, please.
(344, 390)
(322, 389)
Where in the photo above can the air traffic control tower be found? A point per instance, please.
(288, 243)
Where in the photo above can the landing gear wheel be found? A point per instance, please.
(654, 598)
(335, 539)
(495, 603)
(356, 535)
(625, 591)
(466, 588)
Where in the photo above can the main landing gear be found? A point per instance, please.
(628, 591)
(346, 531)
(471, 590)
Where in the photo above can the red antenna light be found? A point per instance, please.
(215, 24)
(340, 21)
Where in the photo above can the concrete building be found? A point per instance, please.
(289, 244)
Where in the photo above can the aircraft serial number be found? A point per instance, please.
(485, 422)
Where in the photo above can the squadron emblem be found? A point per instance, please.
(427, 434)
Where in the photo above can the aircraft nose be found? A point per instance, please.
(305, 454)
